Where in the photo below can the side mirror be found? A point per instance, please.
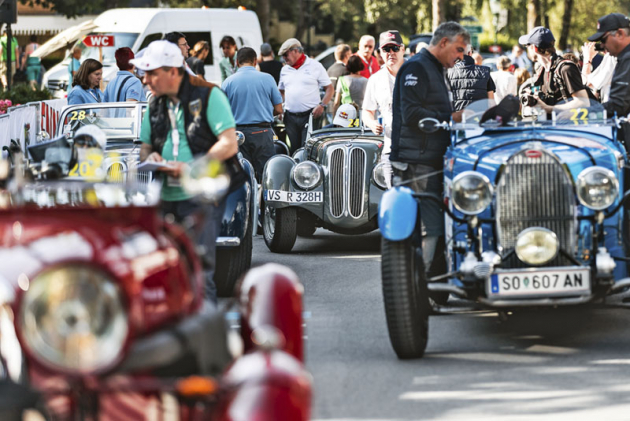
(430, 125)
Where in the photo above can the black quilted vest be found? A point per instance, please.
(194, 99)
(469, 83)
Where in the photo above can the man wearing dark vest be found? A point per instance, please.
(184, 121)
(470, 82)
(421, 91)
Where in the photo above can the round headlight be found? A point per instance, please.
(306, 175)
(597, 188)
(72, 318)
(536, 246)
(472, 192)
(379, 175)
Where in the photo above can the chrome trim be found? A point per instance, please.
(228, 241)
(347, 169)
(535, 192)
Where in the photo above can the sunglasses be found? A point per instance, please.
(389, 48)
(604, 38)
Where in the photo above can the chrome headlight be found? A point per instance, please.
(597, 188)
(472, 192)
(72, 318)
(306, 175)
(378, 174)
(536, 246)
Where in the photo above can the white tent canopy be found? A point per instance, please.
(61, 40)
(45, 24)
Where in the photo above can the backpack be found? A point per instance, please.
(557, 80)
(346, 98)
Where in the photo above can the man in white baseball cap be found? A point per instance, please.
(186, 118)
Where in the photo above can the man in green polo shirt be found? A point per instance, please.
(184, 121)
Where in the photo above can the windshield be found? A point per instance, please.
(485, 114)
(82, 194)
(121, 39)
(118, 123)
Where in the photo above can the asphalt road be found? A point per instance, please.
(566, 364)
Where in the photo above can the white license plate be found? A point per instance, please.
(551, 281)
(293, 197)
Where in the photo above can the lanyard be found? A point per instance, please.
(172, 115)
(96, 97)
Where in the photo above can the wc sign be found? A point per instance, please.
(99, 41)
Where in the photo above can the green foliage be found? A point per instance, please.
(21, 93)
(73, 8)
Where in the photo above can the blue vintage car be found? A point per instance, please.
(535, 216)
(121, 123)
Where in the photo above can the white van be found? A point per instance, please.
(138, 27)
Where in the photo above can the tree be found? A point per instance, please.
(566, 24)
(73, 8)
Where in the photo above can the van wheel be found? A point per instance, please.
(406, 298)
(280, 228)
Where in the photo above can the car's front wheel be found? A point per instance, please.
(280, 228)
(406, 297)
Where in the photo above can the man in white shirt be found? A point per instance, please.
(299, 85)
(379, 92)
(503, 79)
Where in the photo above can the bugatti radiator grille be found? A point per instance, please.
(535, 191)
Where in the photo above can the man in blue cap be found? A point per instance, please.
(558, 79)
(613, 32)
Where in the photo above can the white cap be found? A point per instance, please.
(159, 54)
(95, 133)
(287, 45)
(345, 114)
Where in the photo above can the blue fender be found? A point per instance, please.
(397, 214)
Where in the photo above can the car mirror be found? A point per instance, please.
(430, 125)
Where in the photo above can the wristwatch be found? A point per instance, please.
(322, 104)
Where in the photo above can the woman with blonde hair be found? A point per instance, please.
(521, 77)
(197, 57)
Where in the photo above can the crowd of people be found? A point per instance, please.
(188, 116)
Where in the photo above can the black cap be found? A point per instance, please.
(539, 36)
(390, 37)
(610, 22)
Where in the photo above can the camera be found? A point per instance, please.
(599, 47)
(530, 100)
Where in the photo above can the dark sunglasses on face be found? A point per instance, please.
(604, 38)
(389, 48)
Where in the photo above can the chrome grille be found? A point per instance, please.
(336, 182)
(535, 191)
(346, 181)
(356, 182)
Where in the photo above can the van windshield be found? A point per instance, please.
(120, 40)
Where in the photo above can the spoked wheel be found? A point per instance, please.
(280, 228)
(405, 295)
